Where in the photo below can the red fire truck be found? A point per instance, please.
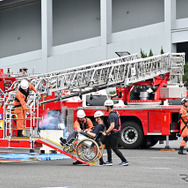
(145, 90)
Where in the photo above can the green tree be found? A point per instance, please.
(143, 54)
(162, 52)
(150, 53)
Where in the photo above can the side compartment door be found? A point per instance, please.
(159, 122)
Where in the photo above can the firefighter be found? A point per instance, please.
(96, 133)
(20, 104)
(183, 126)
(99, 118)
(113, 134)
(82, 122)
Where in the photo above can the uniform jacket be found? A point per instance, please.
(183, 111)
(21, 97)
(80, 125)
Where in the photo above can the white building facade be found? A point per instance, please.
(49, 35)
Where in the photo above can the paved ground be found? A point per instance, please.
(148, 168)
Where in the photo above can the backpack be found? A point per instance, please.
(119, 122)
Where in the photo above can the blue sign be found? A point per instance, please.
(1, 116)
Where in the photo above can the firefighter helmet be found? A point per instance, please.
(81, 114)
(184, 100)
(108, 103)
(98, 114)
(24, 84)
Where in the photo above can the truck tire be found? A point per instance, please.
(131, 135)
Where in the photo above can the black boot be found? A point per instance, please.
(181, 151)
(101, 161)
(63, 141)
(20, 134)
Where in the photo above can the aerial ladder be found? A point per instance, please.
(119, 71)
(122, 71)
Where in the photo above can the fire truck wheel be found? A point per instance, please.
(131, 135)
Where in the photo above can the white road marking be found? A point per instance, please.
(153, 157)
(163, 157)
(159, 168)
(60, 187)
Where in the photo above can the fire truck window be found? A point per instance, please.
(174, 101)
(95, 100)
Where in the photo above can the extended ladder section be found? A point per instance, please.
(111, 73)
(123, 70)
(88, 66)
(48, 78)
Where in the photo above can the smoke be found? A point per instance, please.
(53, 121)
(50, 120)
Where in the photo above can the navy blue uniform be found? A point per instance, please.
(97, 130)
(113, 118)
(113, 139)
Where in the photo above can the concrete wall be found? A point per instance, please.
(75, 20)
(128, 14)
(20, 30)
(121, 41)
(133, 40)
(181, 9)
(76, 33)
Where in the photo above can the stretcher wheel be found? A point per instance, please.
(87, 150)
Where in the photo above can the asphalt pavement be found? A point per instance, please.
(148, 168)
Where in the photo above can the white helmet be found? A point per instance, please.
(98, 114)
(184, 100)
(24, 84)
(81, 114)
(108, 103)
